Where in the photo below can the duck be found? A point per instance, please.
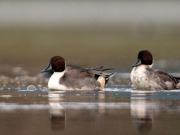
(75, 79)
(143, 77)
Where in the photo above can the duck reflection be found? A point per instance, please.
(142, 109)
(60, 102)
(57, 113)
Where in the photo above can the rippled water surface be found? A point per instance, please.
(117, 110)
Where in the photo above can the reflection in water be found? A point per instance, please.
(101, 98)
(58, 106)
(57, 111)
(142, 111)
(88, 113)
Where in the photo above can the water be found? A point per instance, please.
(117, 110)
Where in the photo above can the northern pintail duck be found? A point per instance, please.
(143, 77)
(75, 79)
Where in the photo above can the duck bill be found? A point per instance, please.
(137, 63)
(48, 68)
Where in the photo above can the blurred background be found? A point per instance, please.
(88, 33)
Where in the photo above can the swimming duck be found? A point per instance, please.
(75, 79)
(143, 77)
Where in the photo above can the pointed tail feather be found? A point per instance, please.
(101, 68)
(178, 78)
(112, 74)
(96, 68)
(107, 69)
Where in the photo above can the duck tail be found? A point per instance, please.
(177, 78)
(107, 69)
(177, 81)
(109, 76)
(105, 77)
(100, 68)
(97, 68)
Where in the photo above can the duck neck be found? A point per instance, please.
(150, 66)
(54, 81)
(58, 74)
(145, 66)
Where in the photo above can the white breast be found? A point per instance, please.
(140, 78)
(54, 82)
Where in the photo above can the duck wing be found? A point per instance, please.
(79, 79)
(166, 76)
(167, 81)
